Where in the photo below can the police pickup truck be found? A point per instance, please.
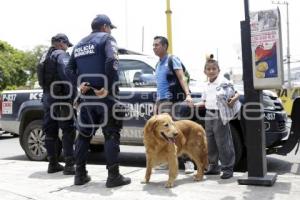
(22, 113)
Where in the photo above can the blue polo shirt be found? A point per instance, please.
(162, 71)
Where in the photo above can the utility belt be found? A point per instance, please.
(57, 90)
(164, 101)
(212, 110)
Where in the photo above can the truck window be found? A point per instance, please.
(296, 93)
(134, 73)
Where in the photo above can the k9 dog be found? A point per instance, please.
(165, 140)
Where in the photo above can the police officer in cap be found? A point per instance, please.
(57, 104)
(93, 67)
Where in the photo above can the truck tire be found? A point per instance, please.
(240, 158)
(33, 142)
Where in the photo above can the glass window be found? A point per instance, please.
(135, 73)
(296, 93)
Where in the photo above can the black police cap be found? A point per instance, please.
(100, 20)
(60, 37)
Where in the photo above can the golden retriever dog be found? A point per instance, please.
(165, 140)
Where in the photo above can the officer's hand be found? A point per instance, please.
(101, 93)
(84, 87)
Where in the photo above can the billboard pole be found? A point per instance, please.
(252, 116)
(288, 54)
(288, 44)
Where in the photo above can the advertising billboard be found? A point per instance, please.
(266, 49)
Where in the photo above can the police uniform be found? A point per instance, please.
(50, 70)
(94, 60)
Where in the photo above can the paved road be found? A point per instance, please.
(10, 149)
(22, 180)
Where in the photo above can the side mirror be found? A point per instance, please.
(148, 79)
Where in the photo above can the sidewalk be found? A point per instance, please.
(23, 180)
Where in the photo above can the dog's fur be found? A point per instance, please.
(165, 140)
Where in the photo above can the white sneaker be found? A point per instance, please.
(161, 167)
(189, 167)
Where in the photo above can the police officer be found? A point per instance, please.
(93, 65)
(57, 104)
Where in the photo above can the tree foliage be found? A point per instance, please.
(17, 67)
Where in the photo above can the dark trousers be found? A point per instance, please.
(51, 128)
(219, 140)
(90, 119)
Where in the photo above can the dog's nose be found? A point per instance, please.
(175, 134)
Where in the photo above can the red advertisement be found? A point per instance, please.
(266, 48)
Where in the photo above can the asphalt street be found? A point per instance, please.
(23, 179)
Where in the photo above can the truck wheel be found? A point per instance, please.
(96, 148)
(33, 142)
(239, 149)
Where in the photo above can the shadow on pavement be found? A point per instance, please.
(93, 188)
(158, 188)
(132, 159)
(126, 159)
(45, 175)
(18, 157)
(277, 189)
(7, 137)
(138, 159)
(281, 166)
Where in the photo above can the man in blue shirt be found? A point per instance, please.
(165, 97)
(160, 47)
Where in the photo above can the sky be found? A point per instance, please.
(199, 27)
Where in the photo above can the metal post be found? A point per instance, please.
(288, 45)
(126, 24)
(169, 27)
(251, 116)
(143, 33)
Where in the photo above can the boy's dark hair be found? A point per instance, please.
(210, 59)
(163, 40)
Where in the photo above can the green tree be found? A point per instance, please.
(18, 68)
(32, 59)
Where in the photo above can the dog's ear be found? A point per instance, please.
(151, 124)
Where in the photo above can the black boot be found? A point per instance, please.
(53, 165)
(69, 166)
(114, 178)
(81, 175)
